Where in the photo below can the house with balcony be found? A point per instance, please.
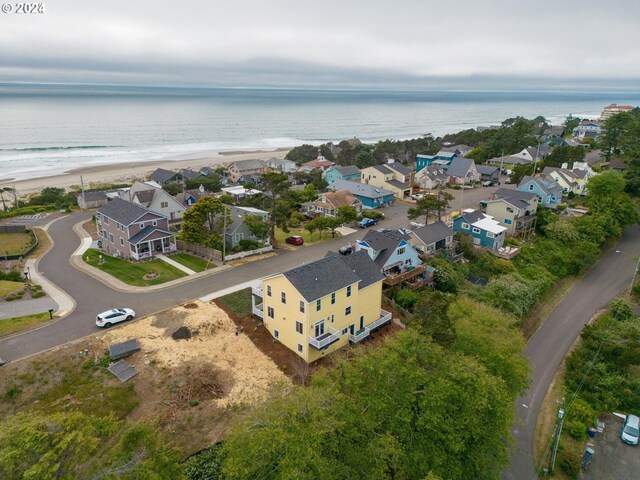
(395, 258)
(154, 198)
(369, 195)
(587, 129)
(337, 172)
(545, 187)
(327, 204)
(443, 157)
(390, 177)
(432, 239)
(514, 210)
(130, 231)
(322, 306)
(485, 231)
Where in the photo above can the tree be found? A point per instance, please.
(257, 226)
(605, 184)
(431, 318)
(443, 198)
(204, 222)
(407, 298)
(303, 153)
(172, 188)
(347, 214)
(564, 154)
(519, 172)
(426, 207)
(276, 184)
(211, 183)
(3, 190)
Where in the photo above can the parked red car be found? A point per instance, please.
(295, 240)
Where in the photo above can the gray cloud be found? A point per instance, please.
(412, 44)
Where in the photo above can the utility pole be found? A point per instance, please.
(15, 198)
(558, 432)
(82, 188)
(535, 160)
(224, 233)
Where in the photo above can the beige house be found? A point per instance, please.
(574, 180)
(394, 177)
(245, 167)
(328, 203)
(514, 210)
(154, 198)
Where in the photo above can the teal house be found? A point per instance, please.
(546, 188)
(486, 231)
(442, 157)
(349, 172)
(369, 195)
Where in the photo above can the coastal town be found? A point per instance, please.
(189, 295)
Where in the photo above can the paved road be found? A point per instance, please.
(548, 347)
(92, 296)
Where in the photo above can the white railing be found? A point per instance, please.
(257, 311)
(385, 317)
(324, 339)
(259, 251)
(257, 291)
(170, 248)
(140, 256)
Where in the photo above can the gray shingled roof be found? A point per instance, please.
(362, 189)
(385, 243)
(514, 197)
(399, 184)
(548, 185)
(316, 279)
(145, 196)
(400, 168)
(472, 217)
(362, 265)
(92, 196)
(432, 233)
(123, 212)
(146, 231)
(162, 176)
(459, 167)
(486, 169)
(253, 164)
(190, 174)
(347, 170)
(382, 169)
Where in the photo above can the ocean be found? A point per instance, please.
(49, 129)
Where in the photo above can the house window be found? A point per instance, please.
(401, 250)
(276, 334)
(300, 348)
(333, 317)
(283, 297)
(164, 204)
(349, 291)
(333, 298)
(142, 225)
(531, 187)
(465, 226)
(301, 306)
(106, 220)
(553, 198)
(111, 237)
(318, 304)
(122, 242)
(347, 311)
(270, 312)
(509, 209)
(508, 221)
(154, 223)
(475, 230)
(490, 235)
(345, 330)
(299, 327)
(268, 290)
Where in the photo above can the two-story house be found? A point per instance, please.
(462, 171)
(281, 165)
(587, 129)
(395, 257)
(545, 187)
(319, 163)
(574, 180)
(131, 231)
(392, 177)
(244, 167)
(349, 172)
(319, 307)
(444, 156)
(237, 229)
(433, 176)
(516, 211)
(155, 199)
(369, 195)
(432, 239)
(190, 197)
(327, 204)
(486, 232)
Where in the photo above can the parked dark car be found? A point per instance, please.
(367, 222)
(295, 240)
(346, 250)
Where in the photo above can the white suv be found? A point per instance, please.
(116, 315)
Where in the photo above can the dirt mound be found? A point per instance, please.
(190, 305)
(183, 333)
(169, 320)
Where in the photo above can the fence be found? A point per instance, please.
(13, 229)
(200, 250)
(20, 256)
(259, 251)
(401, 310)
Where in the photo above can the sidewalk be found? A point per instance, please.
(21, 308)
(175, 264)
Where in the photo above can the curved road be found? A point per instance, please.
(548, 347)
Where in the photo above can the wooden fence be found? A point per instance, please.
(13, 229)
(259, 251)
(204, 252)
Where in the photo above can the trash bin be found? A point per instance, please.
(591, 432)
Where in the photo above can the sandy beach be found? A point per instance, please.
(129, 172)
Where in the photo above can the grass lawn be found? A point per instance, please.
(301, 232)
(18, 324)
(14, 243)
(238, 302)
(196, 264)
(133, 273)
(7, 287)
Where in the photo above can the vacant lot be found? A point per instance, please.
(14, 243)
(133, 273)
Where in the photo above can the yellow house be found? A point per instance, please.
(319, 307)
(392, 176)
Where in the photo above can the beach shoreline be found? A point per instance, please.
(129, 172)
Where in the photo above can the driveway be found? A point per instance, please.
(549, 345)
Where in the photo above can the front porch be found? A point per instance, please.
(385, 317)
(143, 250)
(257, 309)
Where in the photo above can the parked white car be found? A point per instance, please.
(115, 315)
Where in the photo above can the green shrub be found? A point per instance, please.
(407, 298)
(569, 460)
(372, 214)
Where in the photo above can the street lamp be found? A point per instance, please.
(635, 273)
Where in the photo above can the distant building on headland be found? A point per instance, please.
(610, 110)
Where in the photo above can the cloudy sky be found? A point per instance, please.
(333, 44)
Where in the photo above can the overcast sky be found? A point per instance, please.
(333, 44)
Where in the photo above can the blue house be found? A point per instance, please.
(390, 251)
(370, 195)
(423, 161)
(349, 172)
(486, 232)
(546, 188)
